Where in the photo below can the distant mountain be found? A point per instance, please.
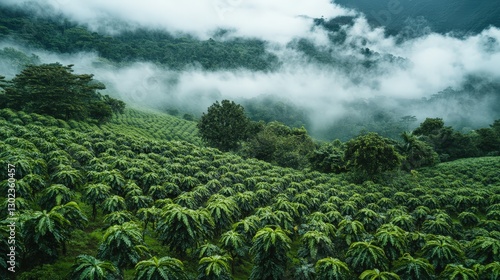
(461, 16)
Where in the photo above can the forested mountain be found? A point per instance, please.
(59, 34)
(406, 16)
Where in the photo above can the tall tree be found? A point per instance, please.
(281, 145)
(416, 152)
(371, 154)
(224, 125)
(53, 89)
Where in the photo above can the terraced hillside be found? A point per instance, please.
(154, 125)
(119, 199)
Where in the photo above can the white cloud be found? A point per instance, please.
(278, 20)
(434, 62)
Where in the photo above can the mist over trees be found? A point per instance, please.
(352, 61)
(174, 51)
(296, 146)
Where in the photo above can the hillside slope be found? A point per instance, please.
(462, 16)
(194, 196)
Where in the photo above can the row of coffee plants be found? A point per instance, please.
(155, 125)
(97, 203)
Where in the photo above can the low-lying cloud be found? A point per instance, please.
(425, 65)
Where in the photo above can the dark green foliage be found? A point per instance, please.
(410, 268)
(269, 250)
(315, 245)
(441, 251)
(122, 245)
(332, 269)
(165, 268)
(52, 89)
(96, 194)
(279, 144)
(373, 274)
(55, 195)
(224, 125)
(89, 268)
(416, 153)
(304, 271)
(213, 186)
(44, 233)
(215, 267)
(484, 249)
(393, 240)
(270, 109)
(365, 255)
(329, 157)
(429, 127)
(443, 16)
(449, 144)
(139, 44)
(182, 228)
(489, 139)
(371, 154)
(458, 271)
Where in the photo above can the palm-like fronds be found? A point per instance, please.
(458, 271)
(44, 232)
(375, 274)
(364, 255)
(270, 247)
(122, 244)
(114, 203)
(183, 228)
(315, 245)
(408, 267)
(118, 218)
(214, 267)
(332, 269)
(165, 268)
(484, 249)
(95, 194)
(393, 240)
(89, 268)
(350, 230)
(442, 250)
(55, 195)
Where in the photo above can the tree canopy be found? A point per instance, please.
(371, 154)
(224, 125)
(53, 89)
